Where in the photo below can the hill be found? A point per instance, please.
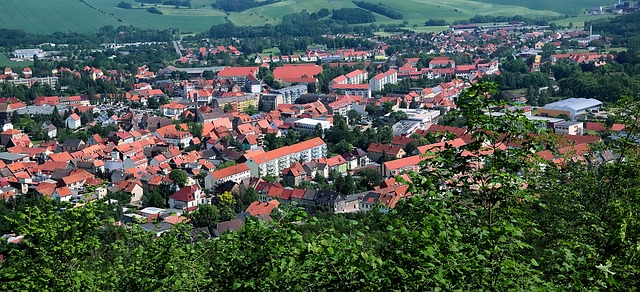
(42, 16)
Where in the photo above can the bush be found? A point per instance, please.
(154, 10)
(124, 5)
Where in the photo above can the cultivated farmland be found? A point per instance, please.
(46, 16)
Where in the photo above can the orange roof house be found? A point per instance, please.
(257, 208)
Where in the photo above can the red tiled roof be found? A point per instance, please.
(237, 71)
(63, 191)
(228, 171)
(257, 208)
(273, 154)
(186, 193)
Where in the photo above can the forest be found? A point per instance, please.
(240, 5)
(353, 15)
(516, 223)
(380, 9)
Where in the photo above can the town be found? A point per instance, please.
(276, 130)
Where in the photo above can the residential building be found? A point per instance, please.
(187, 198)
(396, 167)
(569, 128)
(73, 121)
(297, 73)
(378, 82)
(353, 89)
(235, 173)
(273, 162)
(290, 94)
(239, 103)
(376, 151)
(173, 110)
(238, 74)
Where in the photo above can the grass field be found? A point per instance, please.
(578, 21)
(46, 16)
(5, 62)
(415, 11)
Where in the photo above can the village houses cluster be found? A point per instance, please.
(237, 111)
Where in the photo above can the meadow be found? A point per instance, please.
(6, 62)
(46, 16)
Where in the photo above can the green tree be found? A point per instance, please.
(153, 199)
(205, 216)
(179, 177)
(342, 147)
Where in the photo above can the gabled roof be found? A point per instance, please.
(186, 193)
(257, 208)
(63, 192)
(229, 171)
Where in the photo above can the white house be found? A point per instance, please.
(187, 198)
(173, 110)
(63, 194)
(73, 121)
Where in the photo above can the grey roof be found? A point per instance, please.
(325, 197)
(60, 173)
(310, 195)
(232, 225)
(6, 156)
(75, 143)
(40, 110)
(573, 103)
(157, 227)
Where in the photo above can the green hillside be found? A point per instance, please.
(43, 16)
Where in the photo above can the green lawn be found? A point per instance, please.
(5, 62)
(46, 16)
(274, 50)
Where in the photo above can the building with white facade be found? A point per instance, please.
(420, 115)
(235, 173)
(173, 110)
(378, 82)
(353, 89)
(309, 125)
(291, 93)
(569, 128)
(405, 127)
(274, 161)
(29, 53)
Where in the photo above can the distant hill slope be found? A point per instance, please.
(45, 16)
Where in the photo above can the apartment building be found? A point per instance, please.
(274, 161)
(235, 173)
(378, 82)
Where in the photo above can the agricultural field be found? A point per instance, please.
(46, 16)
(415, 11)
(5, 62)
(578, 21)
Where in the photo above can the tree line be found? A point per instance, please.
(240, 5)
(380, 9)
